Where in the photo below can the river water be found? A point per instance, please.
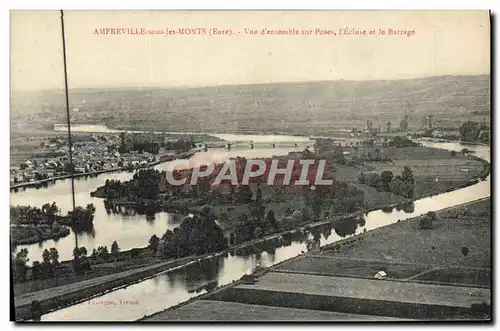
(128, 230)
(168, 289)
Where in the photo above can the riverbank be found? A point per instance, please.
(30, 234)
(67, 295)
(62, 296)
(40, 183)
(399, 206)
(233, 265)
(356, 259)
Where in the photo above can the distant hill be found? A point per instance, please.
(288, 107)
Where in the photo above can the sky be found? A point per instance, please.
(444, 43)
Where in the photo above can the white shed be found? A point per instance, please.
(380, 275)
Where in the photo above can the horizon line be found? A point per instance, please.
(177, 87)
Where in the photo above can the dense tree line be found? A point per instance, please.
(403, 184)
(148, 143)
(145, 184)
(197, 235)
(81, 219)
(402, 142)
(33, 215)
(33, 225)
(473, 131)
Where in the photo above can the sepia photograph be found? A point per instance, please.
(250, 166)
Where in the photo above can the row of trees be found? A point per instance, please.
(50, 261)
(402, 142)
(81, 219)
(34, 215)
(322, 201)
(403, 184)
(151, 144)
(145, 184)
(473, 131)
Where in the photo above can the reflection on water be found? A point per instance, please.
(128, 227)
(168, 289)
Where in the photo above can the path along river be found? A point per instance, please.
(168, 289)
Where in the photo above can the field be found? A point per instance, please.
(212, 310)
(329, 266)
(427, 165)
(375, 199)
(440, 248)
(24, 142)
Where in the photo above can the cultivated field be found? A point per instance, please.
(440, 246)
(328, 266)
(427, 165)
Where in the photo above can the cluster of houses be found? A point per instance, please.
(89, 156)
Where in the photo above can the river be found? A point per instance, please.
(170, 288)
(128, 230)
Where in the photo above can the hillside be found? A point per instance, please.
(290, 107)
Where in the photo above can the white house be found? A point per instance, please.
(380, 275)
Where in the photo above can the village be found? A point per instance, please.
(91, 154)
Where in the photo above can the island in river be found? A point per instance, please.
(132, 262)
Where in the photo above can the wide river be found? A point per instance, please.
(170, 288)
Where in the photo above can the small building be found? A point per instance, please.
(380, 275)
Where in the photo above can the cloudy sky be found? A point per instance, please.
(445, 42)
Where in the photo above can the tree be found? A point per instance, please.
(257, 233)
(47, 266)
(207, 210)
(361, 178)
(408, 182)
(115, 249)
(46, 256)
(258, 195)
(297, 217)
(271, 220)
(82, 218)
(426, 221)
(55, 227)
(102, 252)
(257, 206)
(20, 264)
(465, 251)
(153, 243)
(36, 310)
(35, 270)
(243, 194)
(396, 185)
(373, 180)
(407, 174)
(432, 215)
(134, 253)
(54, 257)
(469, 131)
(388, 126)
(385, 179)
(244, 228)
